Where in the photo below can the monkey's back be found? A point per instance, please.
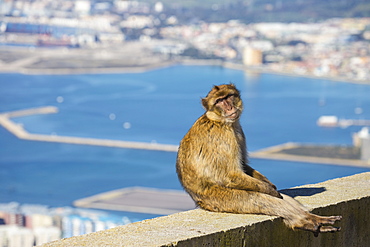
(208, 154)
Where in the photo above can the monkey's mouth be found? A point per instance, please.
(232, 115)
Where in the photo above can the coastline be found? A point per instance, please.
(132, 57)
(262, 70)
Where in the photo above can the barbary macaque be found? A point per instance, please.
(212, 166)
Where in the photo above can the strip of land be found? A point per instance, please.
(133, 57)
(21, 133)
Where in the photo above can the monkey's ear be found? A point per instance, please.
(216, 87)
(204, 103)
(232, 84)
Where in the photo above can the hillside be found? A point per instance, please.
(266, 10)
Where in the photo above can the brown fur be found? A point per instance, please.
(212, 166)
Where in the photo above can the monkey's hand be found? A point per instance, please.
(273, 192)
(269, 183)
(259, 176)
(277, 194)
(245, 182)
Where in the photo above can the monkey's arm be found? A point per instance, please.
(253, 173)
(243, 181)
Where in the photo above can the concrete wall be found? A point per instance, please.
(348, 196)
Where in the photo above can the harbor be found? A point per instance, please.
(106, 177)
(164, 201)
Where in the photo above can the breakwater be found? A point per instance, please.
(21, 133)
(274, 153)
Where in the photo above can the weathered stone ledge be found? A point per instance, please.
(347, 196)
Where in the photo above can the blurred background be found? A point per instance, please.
(95, 96)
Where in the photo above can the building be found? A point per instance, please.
(252, 57)
(16, 236)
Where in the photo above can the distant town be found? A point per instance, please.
(333, 48)
(27, 225)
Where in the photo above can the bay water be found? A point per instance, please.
(159, 106)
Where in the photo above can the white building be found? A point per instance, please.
(16, 236)
(46, 234)
(82, 7)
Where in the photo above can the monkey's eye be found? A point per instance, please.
(232, 94)
(218, 100)
(224, 98)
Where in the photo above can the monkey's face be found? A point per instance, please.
(223, 103)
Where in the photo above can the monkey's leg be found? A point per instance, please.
(296, 216)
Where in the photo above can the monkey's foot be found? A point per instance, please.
(318, 225)
(322, 229)
(330, 220)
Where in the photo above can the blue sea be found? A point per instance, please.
(159, 106)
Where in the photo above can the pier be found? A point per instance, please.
(353, 122)
(21, 133)
(333, 121)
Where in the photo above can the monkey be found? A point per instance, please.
(213, 168)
